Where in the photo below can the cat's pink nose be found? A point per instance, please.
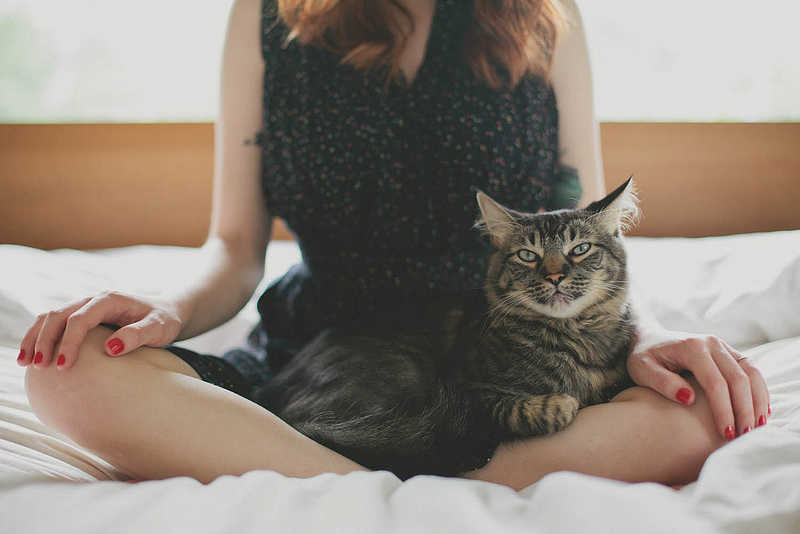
(556, 278)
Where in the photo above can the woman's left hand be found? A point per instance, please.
(735, 389)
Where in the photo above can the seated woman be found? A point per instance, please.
(366, 125)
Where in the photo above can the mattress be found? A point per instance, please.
(744, 289)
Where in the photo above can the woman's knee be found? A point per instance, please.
(67, 400)
(85, 399)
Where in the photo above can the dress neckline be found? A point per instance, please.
(403, 80)
(443, 37)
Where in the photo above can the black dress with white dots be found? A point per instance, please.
(377, 180)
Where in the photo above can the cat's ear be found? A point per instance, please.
(618, 210)
(497, 220)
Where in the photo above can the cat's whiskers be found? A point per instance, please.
(503, 307)
(500, 310)
(612, 285)
(611, 293)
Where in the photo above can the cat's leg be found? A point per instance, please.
(521, 416)
(150, 415)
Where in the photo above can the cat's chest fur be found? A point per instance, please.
(580, 356)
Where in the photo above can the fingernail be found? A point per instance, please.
(37, 359)
(729, 432)
(21, 356)
(762, 420)
(746, 430)
(61, 360)
(116, 345)
(683, 395)
(769, 409)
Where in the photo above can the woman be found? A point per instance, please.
(373, 128)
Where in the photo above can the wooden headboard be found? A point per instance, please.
(105, 185)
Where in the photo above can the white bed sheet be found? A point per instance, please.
(745, 289)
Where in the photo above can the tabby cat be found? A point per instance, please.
(434, 388)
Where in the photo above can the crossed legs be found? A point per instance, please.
(150, 415)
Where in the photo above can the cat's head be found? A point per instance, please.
(559, 263)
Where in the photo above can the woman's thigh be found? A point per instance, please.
(638, 436)
(71, 399)
(149, 414)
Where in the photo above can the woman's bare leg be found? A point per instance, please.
(639, 436)
(148, 414)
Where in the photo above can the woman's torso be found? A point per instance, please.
(378, 182)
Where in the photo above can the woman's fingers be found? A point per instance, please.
(736, 391)
(649, 373)
(155, 330)
(112, 308)
(759, 391)
(713, 382)
(733, 386)
(739, 387)
(49, 335)
(56, 336)
(39, 342)
(27, 348)
(77, 326)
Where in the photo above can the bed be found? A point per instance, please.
(744, 288)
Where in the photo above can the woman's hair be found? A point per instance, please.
(507, 39)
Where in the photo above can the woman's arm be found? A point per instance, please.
(736, 391)
(240, 223)
(232, 259)
(578, 132)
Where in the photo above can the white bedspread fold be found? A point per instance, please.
(746, 289)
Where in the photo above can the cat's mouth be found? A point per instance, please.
(556, 302)
(560, 304)
(559, 298)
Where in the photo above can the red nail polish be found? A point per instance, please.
(746, 430)
(762, 420)
(729, 432)
(61, 360)
(116, 345)
(21, 356)
(38, 358)
(769, 409)
(683, 396)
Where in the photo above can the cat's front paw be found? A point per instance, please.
(540, 415)
(562, 409)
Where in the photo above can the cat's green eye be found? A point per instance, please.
(581, 249)
(527, 256)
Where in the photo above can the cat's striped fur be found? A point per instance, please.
(434, 387)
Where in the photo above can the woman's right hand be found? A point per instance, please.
(56, 335)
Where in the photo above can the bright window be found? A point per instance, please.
(695, 60)
(110, 60)
(158, 60)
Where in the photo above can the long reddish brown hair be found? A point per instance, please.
(519, 36)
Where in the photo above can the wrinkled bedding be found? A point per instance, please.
(745, 289)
